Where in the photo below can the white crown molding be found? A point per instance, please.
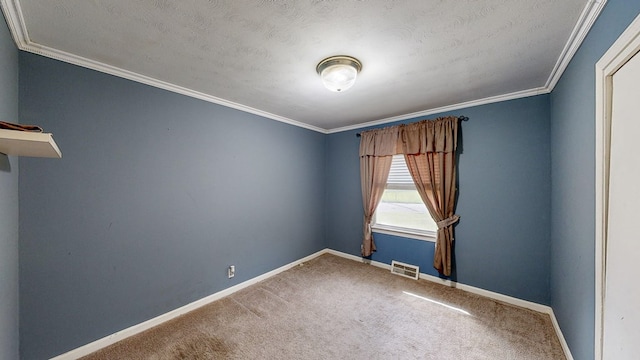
(15, 21)
(18, 29)
(586, 20)
(448, 108)
(112, 70)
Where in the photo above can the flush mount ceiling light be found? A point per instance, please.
(339, 73)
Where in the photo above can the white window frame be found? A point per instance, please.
(425, 235)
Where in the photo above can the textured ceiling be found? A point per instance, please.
(261, 55)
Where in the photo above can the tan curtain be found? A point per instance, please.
(430, 152)
(377, 148)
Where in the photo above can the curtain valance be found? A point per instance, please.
(439, 135)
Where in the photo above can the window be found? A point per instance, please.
(401, 210)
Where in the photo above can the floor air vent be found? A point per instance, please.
(406, 270)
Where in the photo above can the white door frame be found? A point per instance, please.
(627, 45)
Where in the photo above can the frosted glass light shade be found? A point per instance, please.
(339, 73)
(339, 77)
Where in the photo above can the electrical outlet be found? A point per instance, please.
(231, 271)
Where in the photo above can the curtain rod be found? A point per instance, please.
(461, 118)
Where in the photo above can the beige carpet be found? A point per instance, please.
(335, 308)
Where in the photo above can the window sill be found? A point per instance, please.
(429, 236)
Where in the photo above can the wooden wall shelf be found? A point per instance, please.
(25, 143)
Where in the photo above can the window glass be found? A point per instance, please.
(401, 207)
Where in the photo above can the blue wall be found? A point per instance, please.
(155, 197)
(573, 181)
(502, 240)
(156, 194)
(8, 201)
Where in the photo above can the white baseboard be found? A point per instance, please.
(563, 342)
(486, 293)
(136, 329)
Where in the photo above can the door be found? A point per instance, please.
(621, 324)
